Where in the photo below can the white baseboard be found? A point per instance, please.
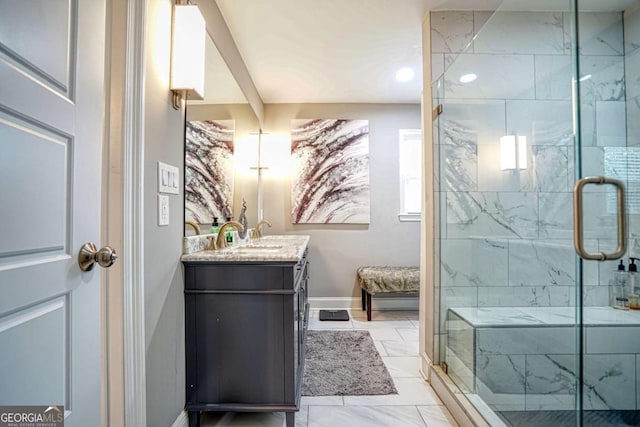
(182, 420)
(377, 303)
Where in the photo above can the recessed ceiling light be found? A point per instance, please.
(468, 78)
(405, 74)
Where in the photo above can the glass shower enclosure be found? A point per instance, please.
(530, 99)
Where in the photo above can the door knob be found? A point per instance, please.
(88, 256)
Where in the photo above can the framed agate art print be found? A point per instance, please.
(209, 170)
(330, 171)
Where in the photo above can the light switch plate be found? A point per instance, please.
(168, 179)
(163, 210)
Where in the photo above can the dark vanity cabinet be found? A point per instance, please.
(246, 324)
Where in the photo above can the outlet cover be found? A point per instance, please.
(163, 210)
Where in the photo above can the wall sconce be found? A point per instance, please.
(513, 152)
(187, 53)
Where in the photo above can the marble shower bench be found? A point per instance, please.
(524, 358)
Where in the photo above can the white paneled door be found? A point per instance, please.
(51, 131)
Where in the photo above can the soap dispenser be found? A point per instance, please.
(618, 289)
(215, 227)
(229, 234)
(633, 285)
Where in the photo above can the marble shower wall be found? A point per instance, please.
(506, 236)
(632, 70)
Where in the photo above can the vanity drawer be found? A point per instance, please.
(237, 277)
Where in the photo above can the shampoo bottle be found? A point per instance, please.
(619, 288)
(633, 285)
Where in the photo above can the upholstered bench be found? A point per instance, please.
(375, 280)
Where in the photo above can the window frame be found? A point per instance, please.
(403, 136)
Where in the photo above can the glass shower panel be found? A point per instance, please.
(609, 95)
(632, 102)
(508, 272)
(437, 93)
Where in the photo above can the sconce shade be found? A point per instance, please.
(522, 152)
(507, 152)
(513, 155)
(187, 51)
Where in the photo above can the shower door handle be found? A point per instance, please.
(578, 224)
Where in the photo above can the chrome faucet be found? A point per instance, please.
(221, 241)
(193, 225)
(257, 233)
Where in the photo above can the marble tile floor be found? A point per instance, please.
(395, 334)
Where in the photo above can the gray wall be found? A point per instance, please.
(163, 283)
(336, 251)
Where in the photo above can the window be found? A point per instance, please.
(410, 149)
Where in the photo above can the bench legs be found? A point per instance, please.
(366, 303)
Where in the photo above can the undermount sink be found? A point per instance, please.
(254, 249)
(258, 250)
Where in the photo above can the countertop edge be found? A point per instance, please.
(293, 249)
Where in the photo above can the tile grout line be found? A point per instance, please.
(421, 417)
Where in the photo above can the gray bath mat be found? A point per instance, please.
(344, 363)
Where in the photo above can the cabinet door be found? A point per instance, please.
(239, 347)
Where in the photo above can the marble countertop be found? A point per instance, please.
(287, 248)
(546, 316)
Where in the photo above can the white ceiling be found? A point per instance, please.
(315, 51)
(330, 51)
